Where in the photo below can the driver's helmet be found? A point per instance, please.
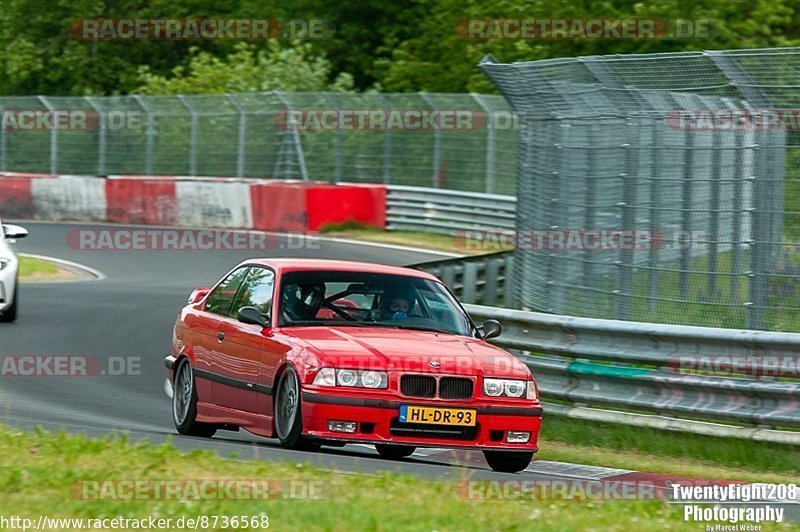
(397, 303)
(302, 301)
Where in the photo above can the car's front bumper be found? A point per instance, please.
(377, 422)
(8, 284)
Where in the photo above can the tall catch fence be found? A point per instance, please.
(691, 158)
(450, 141)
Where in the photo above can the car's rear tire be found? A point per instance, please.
(394, 452)
(184, 403)
(288, 414)
(508, 461)
(10, 314)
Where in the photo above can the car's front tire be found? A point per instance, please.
(184, 403)
(10, 314)
(394, 452)
(288, 414)
(508, 461)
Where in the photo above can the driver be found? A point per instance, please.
(397, 303)
(302, 301)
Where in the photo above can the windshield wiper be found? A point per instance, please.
(415, 328)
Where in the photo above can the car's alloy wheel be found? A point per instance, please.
(10, 314)
(508, 461)
(184, 403)
(394, 452)
(288, 414)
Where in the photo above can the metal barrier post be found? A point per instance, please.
(240, 146)
(490, 139)
(149, 142)
(192, 135)
(387, 145)
(296, 143)
(3, 152)
(101, 136)
(437, 143)
(53, 139)
(337, 169)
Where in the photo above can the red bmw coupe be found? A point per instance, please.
(319, 352)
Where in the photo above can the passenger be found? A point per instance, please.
(301, 302)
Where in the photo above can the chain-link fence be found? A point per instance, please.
(659, 187)
(457, 141)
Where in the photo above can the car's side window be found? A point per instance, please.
(256, 291)
(220, 299)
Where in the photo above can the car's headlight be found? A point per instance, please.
(351, 378)
(509, 388)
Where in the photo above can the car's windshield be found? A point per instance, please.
(369, 299)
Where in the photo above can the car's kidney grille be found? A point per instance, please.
(418, 385)
(425, 386)
(455, 388)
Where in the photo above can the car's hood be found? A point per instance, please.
(407, 350)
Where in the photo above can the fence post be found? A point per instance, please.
(713, 240)
(490, 138)
(337, 169)
(148, 154)
(656, 150)
(628, 205)
(101, 136)
(192, 135)
(292, 138)
(437, 143)
(387, 146)
(53, 139)
(686, 210)
(241, 134)
(736, 240)
(3, 153)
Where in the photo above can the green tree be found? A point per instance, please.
(292, 68)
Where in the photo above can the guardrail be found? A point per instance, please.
(652, 374)
(447, 211)
(483, 279)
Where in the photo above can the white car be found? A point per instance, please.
(9, 271)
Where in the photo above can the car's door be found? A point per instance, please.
(201, 329)
(247, 348)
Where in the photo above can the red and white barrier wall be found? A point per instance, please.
(191, 202)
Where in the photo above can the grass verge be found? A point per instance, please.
(419, 239)
(643, 449)
(32, 268)
(46, 473)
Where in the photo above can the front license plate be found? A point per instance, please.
(437, 416)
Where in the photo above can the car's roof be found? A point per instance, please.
(295, 265)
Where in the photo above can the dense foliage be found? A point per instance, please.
(391, 45)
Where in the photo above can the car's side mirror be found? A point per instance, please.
(198, 294)
(490, 329)
(251, 316)
(14, 232)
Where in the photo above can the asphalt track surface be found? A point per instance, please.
(130, 313)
